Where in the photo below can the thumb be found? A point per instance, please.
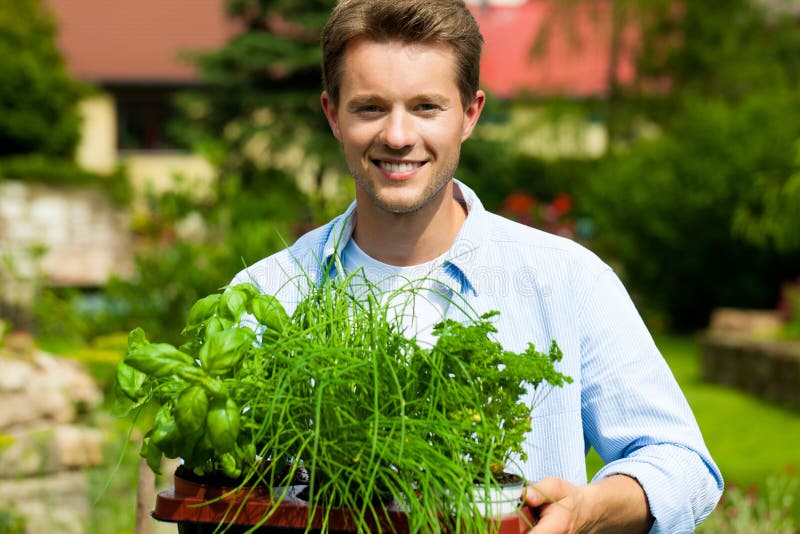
(546, 491)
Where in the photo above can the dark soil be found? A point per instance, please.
(504, 479)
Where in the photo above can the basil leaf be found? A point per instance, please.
(223, 424)
(158, 359)
(191, 409)
(223, 350)
(130, 381)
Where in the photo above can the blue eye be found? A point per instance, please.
(428, 108)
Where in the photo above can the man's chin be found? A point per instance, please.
(397, 207)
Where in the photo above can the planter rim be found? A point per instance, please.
(194, 502)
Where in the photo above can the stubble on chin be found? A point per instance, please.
(431, 191)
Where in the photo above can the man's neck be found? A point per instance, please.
(409, 238)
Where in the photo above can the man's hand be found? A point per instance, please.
(614, 504)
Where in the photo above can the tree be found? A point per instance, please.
(702, 216)
(38, 99)
(259, 119)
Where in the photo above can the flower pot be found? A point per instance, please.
(199, 508)
(502, 500)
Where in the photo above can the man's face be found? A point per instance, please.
(401, 121)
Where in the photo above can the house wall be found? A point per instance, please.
(97, 149)
(59, 235)
(532, 130)
(159, 172)
(147, 170)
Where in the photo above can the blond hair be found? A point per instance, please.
(447, 22)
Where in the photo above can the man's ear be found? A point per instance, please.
(472, 114)
(331, 113)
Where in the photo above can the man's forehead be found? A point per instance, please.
(395, 54)
(398, 46)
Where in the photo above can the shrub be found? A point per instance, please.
(11, 521)
(767, 510)
(665, 209)
(38, 99)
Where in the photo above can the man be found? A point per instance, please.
(401, 95)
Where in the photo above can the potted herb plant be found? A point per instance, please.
(333, 415)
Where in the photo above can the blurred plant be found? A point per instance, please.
(773, 215)
(258, 117)
(189, 247)
(750, 511)
(695, 208)
(42, 169)
(789, 308)
(38, 99)
(11, 521)
(554, 217)
(665, 208)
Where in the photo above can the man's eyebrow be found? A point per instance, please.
(433, 97)
(372, 99)
(363, 100)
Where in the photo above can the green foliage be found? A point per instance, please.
(263, 95)
(44, 169)
(38, 99)
(772, 216)
(698, 208)
(173, 270)
(750, 511)
(11, 521)
(666, 208)
(472, 361)
(702, 215)
(726, 57)
(789, 307)
(336, 389)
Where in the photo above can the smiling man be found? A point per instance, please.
(397, 110)
(401, 94)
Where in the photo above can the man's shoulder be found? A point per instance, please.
(513, 237)
(294, 265)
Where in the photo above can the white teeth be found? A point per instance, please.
(398, 167)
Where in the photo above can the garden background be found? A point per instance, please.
(692, 194)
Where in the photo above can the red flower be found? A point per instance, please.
(519, 203)
(562, 203)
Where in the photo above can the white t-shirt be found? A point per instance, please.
(423, 300)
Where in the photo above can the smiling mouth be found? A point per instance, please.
(395, 166)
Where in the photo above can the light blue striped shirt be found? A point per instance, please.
(623, 401)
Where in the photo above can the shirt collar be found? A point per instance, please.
(341, 232)
(467, 252)
(463, 259)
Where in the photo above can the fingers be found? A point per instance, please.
(546, 491)
(553, 499)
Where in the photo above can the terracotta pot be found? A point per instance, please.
(199, 508)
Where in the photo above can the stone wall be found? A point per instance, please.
(81, 236)
(46, 443)
(741, 350)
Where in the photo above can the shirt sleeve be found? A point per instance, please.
(635, 415)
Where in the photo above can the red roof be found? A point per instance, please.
(138, 41)
(576, 56)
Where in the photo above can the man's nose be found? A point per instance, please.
(399, 130)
